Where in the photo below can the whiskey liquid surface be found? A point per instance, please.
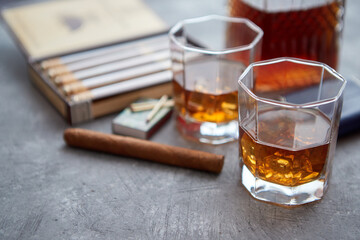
(311, 33)
(274, 156)
(208, 91)
(206, 107)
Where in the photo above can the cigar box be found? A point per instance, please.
(48, 30)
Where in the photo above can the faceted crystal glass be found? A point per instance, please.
(208, 55)
(289, 112)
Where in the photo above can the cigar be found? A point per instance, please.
(123, 87)
(108, 58)
(99, 52)
(114, 77)
(111, 67)
(147, 150)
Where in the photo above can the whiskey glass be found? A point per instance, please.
(287, 130)
(206, 63)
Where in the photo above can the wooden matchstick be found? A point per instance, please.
(143, 106)
(156, 108)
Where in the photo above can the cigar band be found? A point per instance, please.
(74, 88)
(50, 63)
(65, 79)
(59, 70)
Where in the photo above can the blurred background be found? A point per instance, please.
(171, 12)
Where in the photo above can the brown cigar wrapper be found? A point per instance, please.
(137, 148)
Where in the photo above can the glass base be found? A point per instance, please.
(282, 195)
(208, 132)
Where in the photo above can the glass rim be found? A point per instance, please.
(299, 61)
(184, 22)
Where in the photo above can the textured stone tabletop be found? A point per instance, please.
(51, 191)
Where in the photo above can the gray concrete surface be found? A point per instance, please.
(51, 191)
